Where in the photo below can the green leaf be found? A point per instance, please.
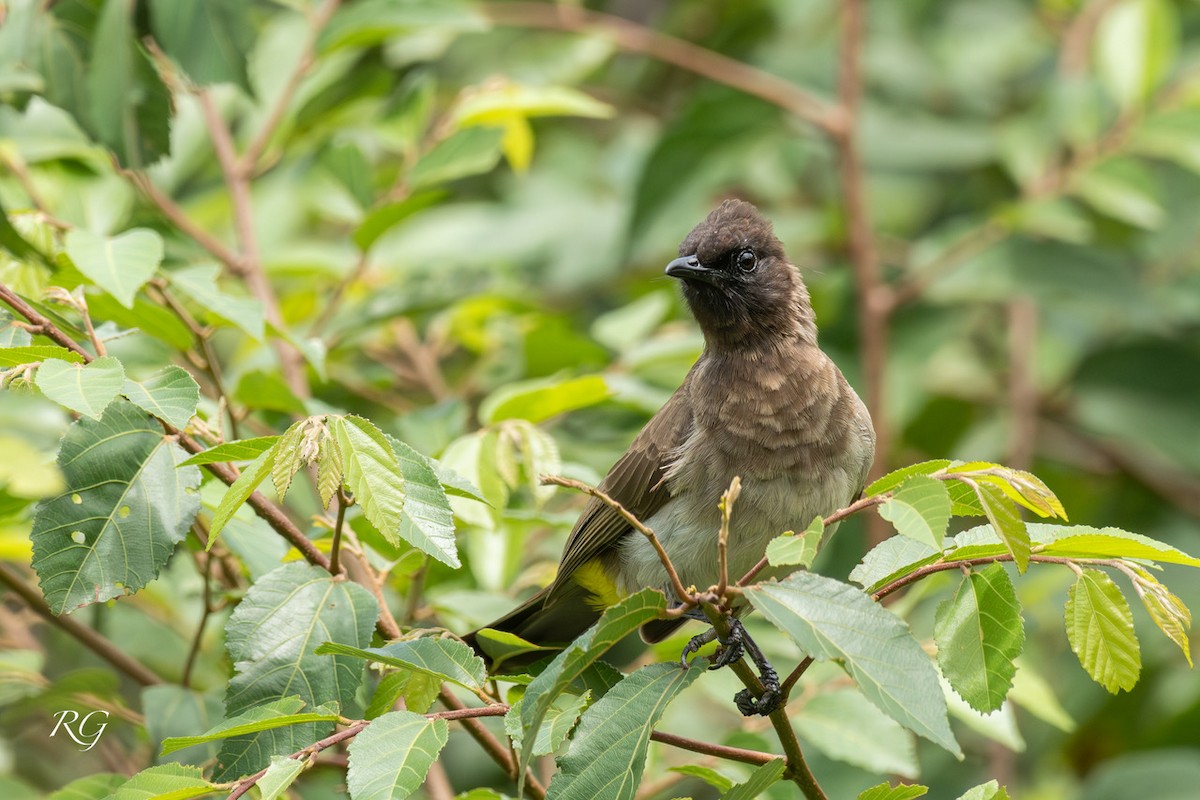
(279, 776)
(331, 467)
(502, 645)
(288, 458)
(444, 659)
(125, 508)
(1115, 543)
(386, 217)
(608, 751)
(120, 265)
(764, 777)
(542, 399)
(371, 22)
(276, 714)
(271, 638)
(901, 791)
(992, 790)
(426, 515)
(240, 450)
(16, 356)
(172, 710)
(1169, 613)
(1122, 189)
(1031, 692)
(979, 632)
(1100, 629)
(845, 726)
(560, 719)
(1006, 522)
(615, 624)
(706, 774)
(171, 394)
(199, 284)
(1135, 47)
(130, 107)
(85, 389)
(833, 621)
(796, 548)
(164, 782)
(500, 101)
(894, 479)
(920, 509)
(242, 488)
(16, 244)
(1022, 487)
(389, 760)
(208, 38)
(93, 787)
(469, 152)
(892, 558)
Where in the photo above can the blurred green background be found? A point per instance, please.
(1030, 181)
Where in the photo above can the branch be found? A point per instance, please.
(85, 635)
(685, 597)
(634, 38)
(243, 786)
(39, 324)
(717, 750)
(727, 501)
(215, 247)
(942, 566)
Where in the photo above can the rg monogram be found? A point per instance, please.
(82, 730)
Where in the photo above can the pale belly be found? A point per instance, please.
(688, 527)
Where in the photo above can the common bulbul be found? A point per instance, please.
(762, 402)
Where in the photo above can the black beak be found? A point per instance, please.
(688, 268)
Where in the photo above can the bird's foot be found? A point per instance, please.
(694, 644)
(736, 645)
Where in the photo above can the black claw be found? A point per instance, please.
(736, 645)
(694, 644)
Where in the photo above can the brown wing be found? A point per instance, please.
(635, 482)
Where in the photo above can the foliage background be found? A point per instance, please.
(1003, 259)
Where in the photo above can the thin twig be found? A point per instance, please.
(85, 635)
(343, 501)
(39, 324)
(790, 681)
(306, 753)
(727, 500)
(683, 594)
(942, 566)
(634, 38)
(97, 342)
(719, 750)
(206, 597)
(215, 247)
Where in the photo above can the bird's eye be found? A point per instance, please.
(746, 260)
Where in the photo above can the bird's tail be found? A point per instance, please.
(549, 622)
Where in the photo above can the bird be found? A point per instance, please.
(763, 403)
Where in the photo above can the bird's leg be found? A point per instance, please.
(734, 646)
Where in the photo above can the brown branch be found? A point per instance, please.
(727, 501)
(495, 749)
(790, 681)
(39, 324)
(634, 38)
(243, 786)
(718, 750)
(215, 247)
(685, 597)
(342, 501)
(247, 165)
(942, 566)
(85, 635)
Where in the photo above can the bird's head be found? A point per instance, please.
(738, 282)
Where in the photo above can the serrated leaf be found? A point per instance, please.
(706, 774)
(763, 778)
(85, 389)
(120, 265)
(845, 726)
(1116, 543)
(615, 623)
(240, 490)
(1022, 487)
(608, 751)
(276, 714)
(920, 509)
(500, 646)
(992, 790)
(979, 632)
(199, 284)
(539, 400)
(901, 791)
(171, 394)
(389, 760)
(288, 459)
(831, 620)
(93, 787)
(426, 514)
(125, 508)
(240, 450)
(271, 638)
(798, 549)
(1100, 629)
(892, 558)
(1171, 616)
(176, 781)
(330, 468)
(1006, 522)
(560, 719)
(897, 477)
(444, 659)
(279, 776)
(16, 356)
